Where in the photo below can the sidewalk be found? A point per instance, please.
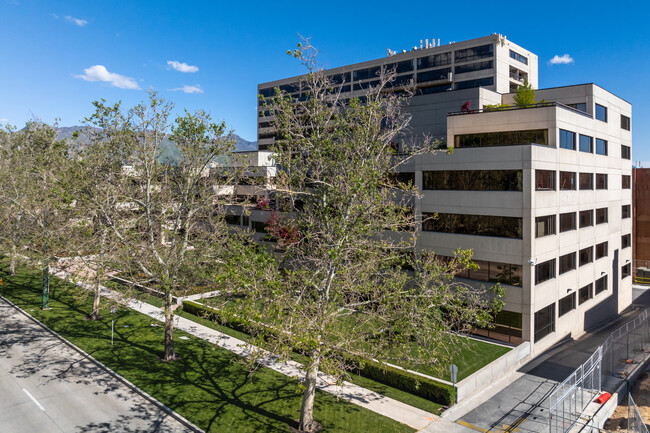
(418, 419)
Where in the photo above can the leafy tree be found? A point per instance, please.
(340, 293)
(525, 95)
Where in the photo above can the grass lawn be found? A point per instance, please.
(207, 385)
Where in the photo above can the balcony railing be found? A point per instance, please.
(516, 107)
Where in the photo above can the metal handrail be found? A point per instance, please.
(525, 107)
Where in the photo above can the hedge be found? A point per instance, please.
(397, 378)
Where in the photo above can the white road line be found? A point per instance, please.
(34, 400)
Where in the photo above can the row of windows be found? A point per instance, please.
(518, 57)
(471, 67)
(473, 180)
(494, 272)
(545, 181)
(478, 225)
(585, 143)
(545, 225)
(480, 82)
(601, 114)
(474, 53)
(505, 138)
(433, 75)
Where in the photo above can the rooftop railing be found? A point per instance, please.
(516, 107)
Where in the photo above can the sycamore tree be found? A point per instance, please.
(159, 218)
(342, 292)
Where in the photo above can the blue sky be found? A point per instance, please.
(224, 49)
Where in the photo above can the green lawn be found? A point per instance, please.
(207, 385)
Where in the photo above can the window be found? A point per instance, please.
(433, 61)
(567, 263)
(567, 221)
(505, 138)
(625, 271)
(586, 181)
(478, 225)
(585, 294)
(625, 122)
(518, 57)
(544, 226)
(601, 113)
(601, 215)
(479, 82)
(579, 106)
(625, 152)
(586, 143)
(434, 75)
(496, 272)
(626, 211)
(601, 284)
(567, 180)
(567, 304)
(601, 181)
(625, 181)
(473, 180)
(545, 271)
(544, 322)
(601, 250)
(601, 146)
(626, 241)
(471, 67)
(586, 255)
(544, 180)
(474, 53)
(364, 74)
(567, 140)
(586, 218)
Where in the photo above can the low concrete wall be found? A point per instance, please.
(493, 371)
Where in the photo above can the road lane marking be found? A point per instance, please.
(34, 400)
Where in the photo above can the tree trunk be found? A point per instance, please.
(169, 329)
(97, 296)
(307, 410)
(12, 264)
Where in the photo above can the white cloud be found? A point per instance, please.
(99, 73)
(4, 120)
(189, 89)
(76, 21)
(182, 67)
(561, 60)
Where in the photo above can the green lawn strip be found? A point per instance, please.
(388, 391)
(208, 385)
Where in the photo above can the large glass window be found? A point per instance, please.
(625, 152)
(544, 322)
(471, 67)
(567, 180)
(586, 143)
(567, 221)
(343, 78)
(545, 271)
(625, 271)
(505, 138)
(518, 57)
(364, 74)
(579, 106)
(626, 211)
(601, 146)
(601, 284)
(586, 218)
(433, 75)
(585, 293)
(479, 82)
(473, 180)
(601, 181)
(544, 180)
(601, 215)
(586, 255)
(567, 140)
(544, 226)
(626, 241)
(601, 250)
(478, 225)
(474, 53)
(601, 112)
(567, 263)
(435, 60)
(625, 122)
(495, 272)
(567, 304)
(625, 182)
(399, 67)
(586, 181)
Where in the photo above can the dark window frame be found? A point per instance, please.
(567, 139)
(586, 143)
(600, 113)
(601, 147)
(567, 263)
(626, 122)
(626, 211)
(545, 226)
(626, 181)
(626, 152)
(568, 181)
(602, 250)
(585, 293)
(585, 256)
(602, 215)
(545, 271)
(567, 222)
(584, 185)
(600, 285)
(583, 222)
(567, 304)
(544, 322)
(601, 180)
(544, 180)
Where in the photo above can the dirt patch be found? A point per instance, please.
(641, 396)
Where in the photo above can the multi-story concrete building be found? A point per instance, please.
(540, 194)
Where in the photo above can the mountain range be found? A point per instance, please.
(170, 151)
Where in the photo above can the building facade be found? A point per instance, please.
(541, 195)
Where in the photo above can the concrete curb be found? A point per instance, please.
(126, 382)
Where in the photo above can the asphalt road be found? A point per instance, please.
(522, 406)
(45, 386)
